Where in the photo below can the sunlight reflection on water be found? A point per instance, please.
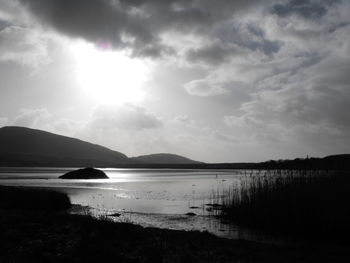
(149, 197)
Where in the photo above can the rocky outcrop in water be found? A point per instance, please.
(86, 173)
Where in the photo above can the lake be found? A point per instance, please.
(149, 197)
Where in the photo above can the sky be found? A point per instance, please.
(215, 81)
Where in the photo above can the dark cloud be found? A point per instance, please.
(136, 24)
(305, 8)
(247, 35)
(234, 41)
(123, 24)
(4, 24)
(213, 54)
(95, 21)
(260, 42)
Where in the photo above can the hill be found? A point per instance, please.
(163, 158)
(21, 146)
(331, 162)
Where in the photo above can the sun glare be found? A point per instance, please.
(109, 76)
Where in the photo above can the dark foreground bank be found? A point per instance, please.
(36, 236)
(51, 235)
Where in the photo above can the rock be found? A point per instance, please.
(86, 173)
(115, 215)
(191, 214)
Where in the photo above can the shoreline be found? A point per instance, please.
(178, 222)
(35, 226)
(165, 221)
(39, 236)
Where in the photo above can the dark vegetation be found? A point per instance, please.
(86, 173)
(340, 162)
(308, 204)
(39, 235)
(32, 199)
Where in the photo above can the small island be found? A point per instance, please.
(85, 173)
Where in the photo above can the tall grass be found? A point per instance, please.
(312, 203)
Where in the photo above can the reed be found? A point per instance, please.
(308, 203)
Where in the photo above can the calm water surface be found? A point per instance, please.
(149, 197)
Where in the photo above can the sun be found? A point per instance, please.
(109, 76)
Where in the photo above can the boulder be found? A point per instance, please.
(86, 173)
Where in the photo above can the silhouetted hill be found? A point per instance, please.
(21, 146)
(163, 158)
(331, 162)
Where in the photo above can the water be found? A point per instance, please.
(149, 197)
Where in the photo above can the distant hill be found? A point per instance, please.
(21, 146)
(331, 162)
(163, 158)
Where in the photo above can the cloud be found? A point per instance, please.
(3, 121)
(183, 119)
(203, 87)
(213, 54)
(301, 93)
(309, 111)
(31, 117)
(272, 75)
(309, 9)
(217, 135)
(10, 12)
(126, 117)
(42, 118)
(23, 45)
(135, 25)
